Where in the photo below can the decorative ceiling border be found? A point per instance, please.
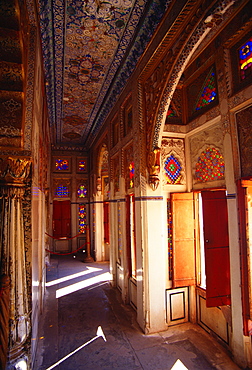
(123, 45)
(154, 13)
(52, 36)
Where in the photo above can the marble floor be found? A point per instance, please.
(85, 326)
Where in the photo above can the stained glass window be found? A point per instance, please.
(210, 166)
(208, 92)
(172, 169)
(82, 191)
(245, 59)
(119, 232)
(62, 164)
(171, 112)
(82, 218)
(82, 165)
(169, 230)
(61, 191)
(131, 175)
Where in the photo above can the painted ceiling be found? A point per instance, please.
(90, 48)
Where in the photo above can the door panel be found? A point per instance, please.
(244, 188)
(106, 221)
(183, 239)
(61, 218)
(216, 242)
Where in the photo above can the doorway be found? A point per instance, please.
(131, 248)
(200, 257)
(61, 225)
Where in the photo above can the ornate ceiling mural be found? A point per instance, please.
(90, 48)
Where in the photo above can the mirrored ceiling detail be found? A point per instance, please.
(84, 44)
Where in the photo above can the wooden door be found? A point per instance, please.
(106, 221)
(62, 218)
(183, 239)
(216, 243)
(130, 234)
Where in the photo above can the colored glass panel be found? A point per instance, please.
(82, 165)
(172, 169)
(119, 233)
(82, 218)
(245, 59)
(62, 164)
(169, 229)
(131, 175)
(208, 92)
(171, 113)
(61, 191)
(210, 166)
(82, 191)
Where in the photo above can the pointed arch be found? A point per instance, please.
(160, 85)
(201, 30)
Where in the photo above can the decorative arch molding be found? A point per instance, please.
(161, 84)
(202, 30)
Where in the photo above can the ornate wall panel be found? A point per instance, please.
(116, 174)
(173, 161)
(200, 143)
(244, 128)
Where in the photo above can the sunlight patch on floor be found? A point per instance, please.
(73, 276)
(179, 366)
(83, 284)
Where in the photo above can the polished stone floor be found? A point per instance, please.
(86, 327)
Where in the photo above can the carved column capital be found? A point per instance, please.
(14, 171)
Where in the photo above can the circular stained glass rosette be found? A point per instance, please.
(210, 166)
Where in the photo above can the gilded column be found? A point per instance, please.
(14, 177)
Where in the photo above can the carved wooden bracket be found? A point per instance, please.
(154, 168)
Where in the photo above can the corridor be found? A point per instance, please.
(79, 300)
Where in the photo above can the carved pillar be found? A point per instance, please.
(14, 173)
(4, 318)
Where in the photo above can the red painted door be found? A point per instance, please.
(216, 242)
(130, 234)
(244, 189)
(106, 221)
(61, 218)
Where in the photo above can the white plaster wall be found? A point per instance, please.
(155, 263)
(237, 343)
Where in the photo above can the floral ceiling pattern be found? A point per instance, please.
(90, 48)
